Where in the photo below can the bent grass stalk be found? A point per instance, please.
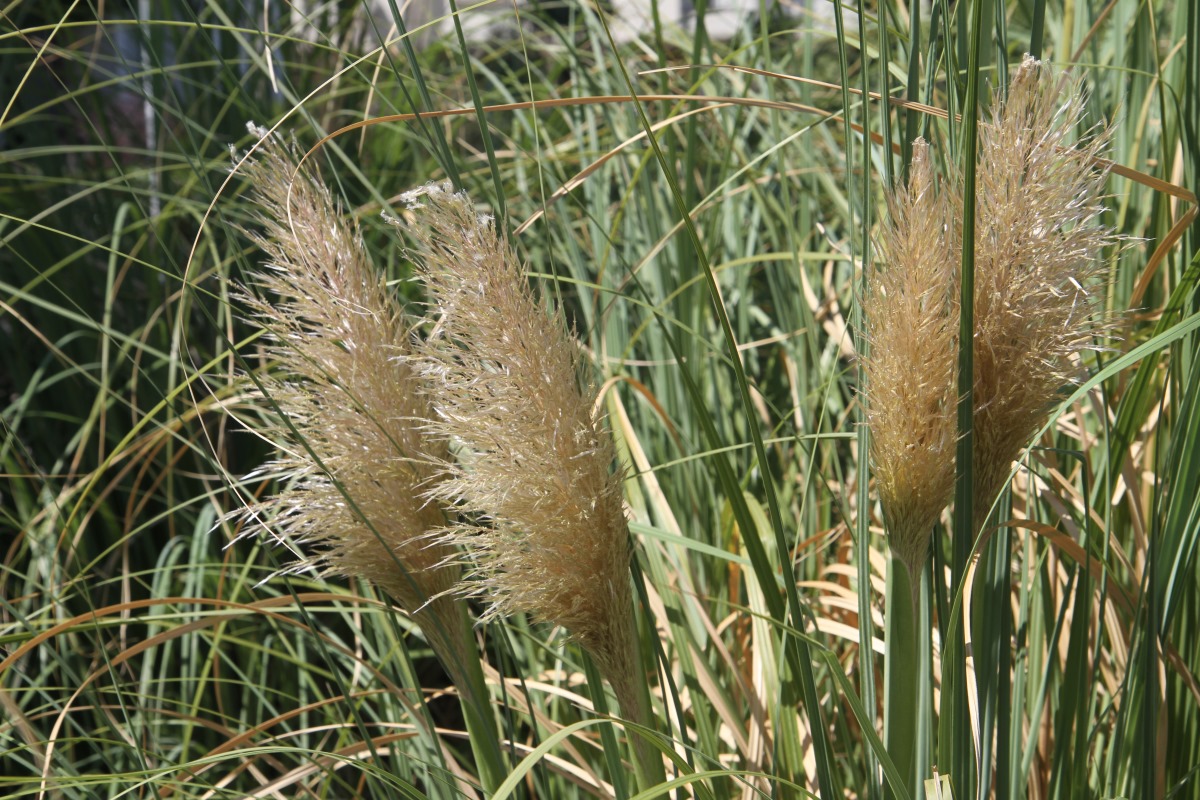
(356, 459)
(534, 462)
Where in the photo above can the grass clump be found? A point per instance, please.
(704, 239)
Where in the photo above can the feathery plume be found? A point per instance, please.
(534, 463)
(1039, 238)
(358, 461)
(911, 317)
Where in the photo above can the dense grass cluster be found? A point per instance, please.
(639, 453)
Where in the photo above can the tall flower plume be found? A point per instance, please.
(357, 459)
(1038, 200)
(912, 325)
(533, 461)
(1039, 238)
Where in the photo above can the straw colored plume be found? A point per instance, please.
(357, 461)
(534, 463)
(912, 324)
(1040, 237)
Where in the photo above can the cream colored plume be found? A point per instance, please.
(912, 325)
(357, 462)
(1039, 239)
(533, 462)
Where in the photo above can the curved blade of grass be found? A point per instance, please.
(803, 658)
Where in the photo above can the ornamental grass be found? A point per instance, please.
(1038, 239)
(533, 464)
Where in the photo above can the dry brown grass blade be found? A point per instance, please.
(1137, 176)
(517, 690)
(645, 392)
(910, 105)
(342, 757)
(569, 102)
(258, 607)
(1164, 248)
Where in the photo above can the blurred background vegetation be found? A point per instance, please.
(146, 655)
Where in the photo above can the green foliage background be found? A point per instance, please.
(143, 655)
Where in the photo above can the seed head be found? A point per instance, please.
(534, 463)
(1038, 240)
(912, 323)
(351, 411)
(1037, 257)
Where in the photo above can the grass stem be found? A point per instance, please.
(902, 674)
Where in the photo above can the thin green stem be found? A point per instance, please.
(455, 647)
(633, 699)
(901, 705)
(955, 735)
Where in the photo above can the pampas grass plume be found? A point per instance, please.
(911, 322)
(534, 462)
(1040, 236)
(357, 461)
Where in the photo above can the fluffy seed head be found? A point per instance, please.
(357, 461)
(911, 322)
(1039, 238)
(534, 462)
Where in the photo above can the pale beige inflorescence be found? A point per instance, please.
(1039, 238)
(912, 326)
(533, 462)
(357, 462)
(1039, 241)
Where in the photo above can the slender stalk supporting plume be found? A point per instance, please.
(534, 462)
(357, 458)
(1040, 236)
